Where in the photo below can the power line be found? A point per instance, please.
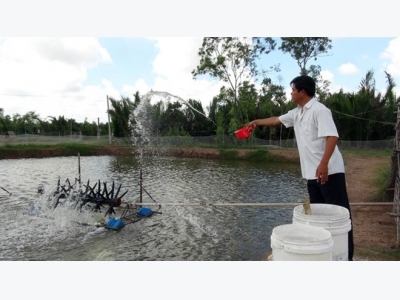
(387, 123)
(380, 108)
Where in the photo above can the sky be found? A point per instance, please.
(73, 76)
(67, 60)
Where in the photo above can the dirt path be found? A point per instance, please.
(372, 225)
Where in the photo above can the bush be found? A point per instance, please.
(228, 154)
(381, 182)
(258, 155)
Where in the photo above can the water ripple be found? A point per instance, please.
(180, 233)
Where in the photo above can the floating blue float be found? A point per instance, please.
(115, 224)
(144, 212)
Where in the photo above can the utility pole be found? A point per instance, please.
(109, 126)
(98, 128)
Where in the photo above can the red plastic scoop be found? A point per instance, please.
(244, 133)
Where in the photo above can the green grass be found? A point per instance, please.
(263, 155)
(258, 155)
(62, 149)
(228, 154)
(377, 254)
(380, 180)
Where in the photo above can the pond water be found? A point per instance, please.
(183, 231)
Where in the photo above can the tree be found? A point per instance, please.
(390, 102)
(365, 115)
(89, 129)
(247, 102)
(173, 119)
(29, 123)
(136, 100)
(59, 125)
(341, 105)
(302, 49)
(272, 102)
(232, 60)
(120, 113)
(222, 111)
(5, 122)
(197, 123)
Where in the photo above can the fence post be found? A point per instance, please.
(109, 126)
(396, 163)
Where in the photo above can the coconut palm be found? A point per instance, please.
(120, 113)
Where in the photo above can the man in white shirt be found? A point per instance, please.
(316, 135)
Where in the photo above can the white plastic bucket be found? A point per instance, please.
(334, 218)
(298, 242)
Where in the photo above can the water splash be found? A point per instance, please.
(142, 120)
(167, 96)
(141, 123)
(63, 207)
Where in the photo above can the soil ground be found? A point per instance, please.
(374, 229)
(373, 226)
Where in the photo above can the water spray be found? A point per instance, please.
(168, 96)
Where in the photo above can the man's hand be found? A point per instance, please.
(322, 170)
(322, 173)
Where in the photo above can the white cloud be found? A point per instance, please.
(47, 65)
(348, 69)
(176, 59)
(90, 103)
(177, 56)
(333, 87)
(173, 66)
(50, 73)
(327, 75)
(140, 86)
(392, 53)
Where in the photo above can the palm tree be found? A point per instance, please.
(59, 124)
(364, 115)
(120, 113)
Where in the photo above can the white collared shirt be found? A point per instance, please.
(312, 124)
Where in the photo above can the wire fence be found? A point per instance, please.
(220, 141)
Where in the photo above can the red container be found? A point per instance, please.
(244, 133)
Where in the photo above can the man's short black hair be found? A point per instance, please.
(305, 83)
